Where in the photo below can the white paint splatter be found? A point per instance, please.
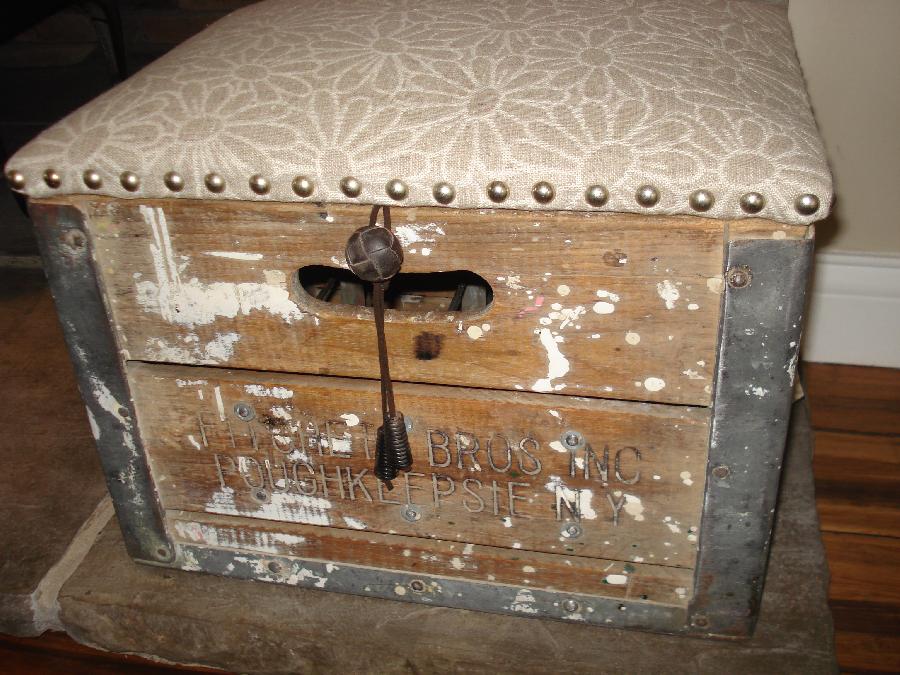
(654, 383)
(563, 290)
(284, 506)
(714, 284)
(667, 291)
(354, 523)
(616, 579)
(351, 419)
(579, 498)
(235, 255)
(633, 507)
(274, 392)
(457, 563)
(474, 332)
(523, 601)
(528, 569)
(686, 478)
(692, 374)
(693, 306)
(196, 303)
(557, 364)
(632, 338)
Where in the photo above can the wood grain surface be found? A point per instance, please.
(489, 468)
(619, 306)
(856, 417)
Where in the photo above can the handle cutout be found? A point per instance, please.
(460, 291)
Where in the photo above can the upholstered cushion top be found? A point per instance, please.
(679, 96)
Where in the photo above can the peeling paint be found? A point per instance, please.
(669, 294)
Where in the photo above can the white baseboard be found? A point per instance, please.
(854, 310)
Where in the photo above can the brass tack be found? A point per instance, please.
(596, 195)
(647, 196)
(701, 200)
(543, 192)
(752, 202)
(807, 204)
(303, 186)
(92, 179)
(444, 193)
(350, 186)
(259, 184)
(497, 191)
(130, 181)
(396, 189)
(52, 178)
(174, 181)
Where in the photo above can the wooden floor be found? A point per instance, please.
(856, 418)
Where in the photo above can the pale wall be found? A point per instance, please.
(850, 53)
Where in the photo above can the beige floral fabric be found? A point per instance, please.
(681, 95)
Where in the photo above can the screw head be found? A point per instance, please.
(806, 204)
(244, 411)
(92, 179)
(752, 202)
(647, 196)
(275, 567)
(543, 192)
(52, 178)
(16, 179)
(596, 195)
(74, 239)
(396, 189)
(130, 181)
(497, 191)
(571, 605)
(214, 183)
(174, 181)
(701, 620)
(350, 186)
(260, 495)
(259, 184)
(572, 439)
(572, 530)
(410, 513)
(701, 200)
(444, 193)
(721, 472)
(303, 186)
(739, 277)
(417, 586)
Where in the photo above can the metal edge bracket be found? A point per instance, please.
(758, 352)
(68, 263)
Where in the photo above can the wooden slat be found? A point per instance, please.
(854, 398)
(611, 305)
(858, 483)
(645, 510)
(865, 599)
(460, 559)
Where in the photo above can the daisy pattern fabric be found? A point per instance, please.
(683, 96)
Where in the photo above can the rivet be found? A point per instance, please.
(543, 192)
(76, 240)
(701, 621)
(396, 189)
(721, 472)
(806, 204)
(260, 495)
(92, 179)
(752, 202)
(350, 186)
(129, 180)
(259, 184)
(444, 193)
(303, 186)
(16, 179)
(163, 553)
(701, 200)
(174, 181)
(739, 276)
(52, 179)
(596, 195)
(571, 605)
(214, 182)
(244, 411)
(497, 191)
(417, 586)
(647, 195)
(275, 567)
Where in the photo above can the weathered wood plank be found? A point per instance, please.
(564, 573)
(611, 305)
(636, 494)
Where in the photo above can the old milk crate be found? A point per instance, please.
(604, 210)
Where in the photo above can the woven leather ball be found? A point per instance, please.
(374, 253)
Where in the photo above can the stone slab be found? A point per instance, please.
(253, 627)
(51, 481)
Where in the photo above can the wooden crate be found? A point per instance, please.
(634, 486)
